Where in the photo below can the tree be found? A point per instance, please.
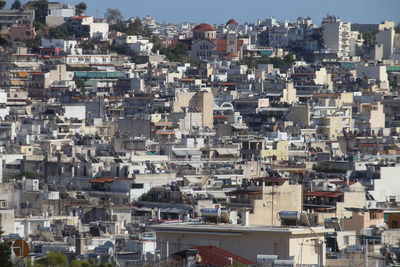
(80, 84)
(59, 32)
(26, 174)
(33, 44)
(113, 16)
(90, 263)
(137, 28)
(38, 26)
(2, 4)
(5, 253)
(172, 53)
(87, 45)
(369, 38)
(3, 41)
(80, 8)
(397, 29)
(16, 5)
(40, 7)
(54, 259)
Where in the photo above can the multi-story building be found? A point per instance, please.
(336, 35)
(11, 17)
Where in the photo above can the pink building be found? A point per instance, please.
(22, 32)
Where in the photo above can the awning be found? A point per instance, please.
(191, 179)
(102, 180)
(196, 165)
(184, 153)
(194, 152)
(227, 151)
(180, 153)
(239, 126)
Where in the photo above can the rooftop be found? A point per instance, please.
(236, 229)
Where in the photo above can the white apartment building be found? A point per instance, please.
(336, 35)
(386, 38)
(96, 29)
(68, 46)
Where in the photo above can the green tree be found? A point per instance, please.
(3, 41)
(38, 25)
(113, 16)
(80, 84)
(87, 45)
(40, 7)
(59, 32)
(54, 259)
(26, 174)
(33, 44)
(137, 28)
(2, 4)
(286, 62)
(5, 253)
(369, 38)
(80, 8)
(176, 53)
(82, 263)
(397, 29)
(16, 5)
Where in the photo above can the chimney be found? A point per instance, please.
(245, 217)
(80, 244)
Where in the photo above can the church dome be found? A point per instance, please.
(204, 27)
(232, 21)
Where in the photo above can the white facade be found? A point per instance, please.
(142, 47)
(4, 110)
(386, 39)
(374, 72)
(383, 187)
(69, 46)
(99, 30)
(88, 59)
(336, 36)
(75, 111)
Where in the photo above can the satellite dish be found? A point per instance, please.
(21, 248)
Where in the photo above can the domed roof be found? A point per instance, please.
(204, 27)
(232, 21)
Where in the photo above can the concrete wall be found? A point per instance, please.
(300, 114)
(203, 101)
(7, 221)
(383, 188)
(386, 39)
(273, 200)
(305, 249)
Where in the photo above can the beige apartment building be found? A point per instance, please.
(202, 101)
(302, 245)
(265, 198)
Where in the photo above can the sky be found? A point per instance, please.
(219, 11)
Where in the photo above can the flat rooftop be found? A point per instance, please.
(236, 228)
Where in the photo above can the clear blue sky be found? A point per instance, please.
(219, 11)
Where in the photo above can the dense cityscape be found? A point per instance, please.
(134, 142)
